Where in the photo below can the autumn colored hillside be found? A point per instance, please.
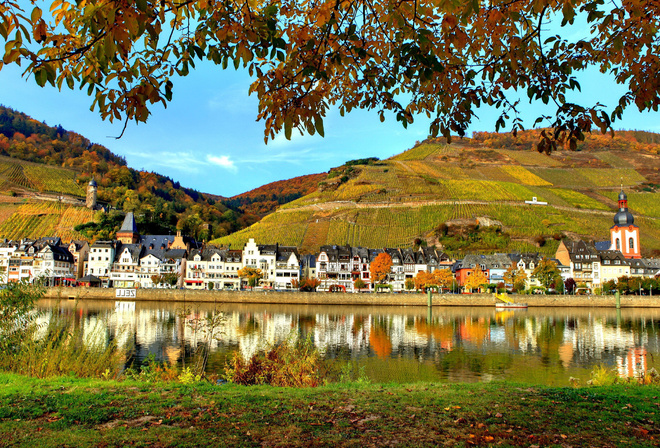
(267, 198)
(37, 159)
(471, 195)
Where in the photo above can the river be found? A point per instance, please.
(387, 344)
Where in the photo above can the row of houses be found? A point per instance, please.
(172, 261)
(147, 261)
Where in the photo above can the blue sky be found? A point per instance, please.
(208, 138)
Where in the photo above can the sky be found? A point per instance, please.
(208, 137)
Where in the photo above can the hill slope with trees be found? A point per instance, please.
(471, 195)
(36, 159)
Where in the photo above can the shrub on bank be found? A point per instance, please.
(290, 364)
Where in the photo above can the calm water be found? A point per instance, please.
(399, 344)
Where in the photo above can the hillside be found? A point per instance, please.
(433, 194)
(40, 162)
(265, 199)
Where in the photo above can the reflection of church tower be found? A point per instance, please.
(128, 233)
(91, 194)
(624, 233)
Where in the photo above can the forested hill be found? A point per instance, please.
(265, 199)
(161, 204)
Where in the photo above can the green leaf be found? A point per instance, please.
(288, 126)
(318, 124)
(36, 14)
(40, 77)
(141, 5)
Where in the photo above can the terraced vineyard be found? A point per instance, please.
(18, 175)
(39, 219)
(409, 195)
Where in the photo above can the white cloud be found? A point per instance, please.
(183, 161)
(222, 161)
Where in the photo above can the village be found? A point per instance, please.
(175, 261)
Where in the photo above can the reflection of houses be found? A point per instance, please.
(633, 365)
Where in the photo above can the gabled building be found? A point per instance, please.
(53, 266)
(360, 265)
(79, 250)
(398, 274)
(583, 260)
(287, 268)
(527, 262)
(128, 234)
(612, 266)
(125, 269)
(334, 268)
(100, 259)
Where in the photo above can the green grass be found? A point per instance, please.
(71, 412)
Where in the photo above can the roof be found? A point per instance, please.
(134, 249)
(602, 245)
(89, 279)
(129, 224)
(156, 241)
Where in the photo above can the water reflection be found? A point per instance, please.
(539, 345)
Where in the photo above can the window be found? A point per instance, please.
(631, 243)
(618, 244)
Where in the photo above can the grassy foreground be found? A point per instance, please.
(68, 412)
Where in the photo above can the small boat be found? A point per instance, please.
(503, 301)
(503, 305)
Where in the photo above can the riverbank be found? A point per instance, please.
(83, 412)
(366, 299)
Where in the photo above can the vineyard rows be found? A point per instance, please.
(613, 160)
(644, 203)
(579, 200)
(35, 220)
(419, 152)
(52, 180)
(525, 176)
(530, 158)
(611, 177)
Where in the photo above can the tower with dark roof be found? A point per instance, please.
(128, 233)
(92, 188)
(624, 234)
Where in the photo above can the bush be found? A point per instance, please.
(289, 364)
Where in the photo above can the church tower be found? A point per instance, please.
(91, 194)
(624, 233)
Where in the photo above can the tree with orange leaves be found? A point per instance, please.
(380, 268)
(443, 278)
(476, 280)
(439, 59)
(423, 280)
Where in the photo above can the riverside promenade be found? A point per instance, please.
(325, 298)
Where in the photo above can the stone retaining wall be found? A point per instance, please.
(324, 298)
